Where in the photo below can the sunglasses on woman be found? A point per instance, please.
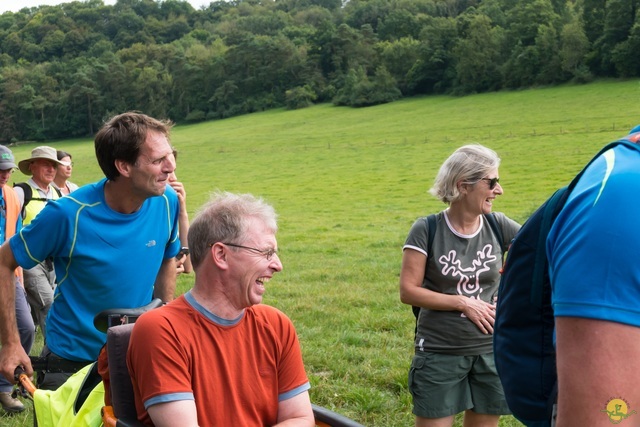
(492, 182)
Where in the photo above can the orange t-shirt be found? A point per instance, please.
(237, 371)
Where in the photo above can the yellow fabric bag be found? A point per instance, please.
(57, 408)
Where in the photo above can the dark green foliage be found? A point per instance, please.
(476, 55)
(64, 69)
(574, 47)
(434, 71)
(361, 91)
(625, 55)
(593, 18)
(299, 97)
(195, 116)
(399, 57)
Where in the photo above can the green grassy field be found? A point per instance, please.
(348, 184)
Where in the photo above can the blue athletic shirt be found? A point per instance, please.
(594, 244)
(103, 259)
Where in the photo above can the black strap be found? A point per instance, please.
(497, 230)
(55, 364)
(28, 196)
(28, 192)
(91, 380)
(432, 224)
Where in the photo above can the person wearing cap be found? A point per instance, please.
(63, 173)
(10, 222)
(33, 195)
(113, 245)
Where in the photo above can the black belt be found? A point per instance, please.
(56, 364)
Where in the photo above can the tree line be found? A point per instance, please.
(65, 68)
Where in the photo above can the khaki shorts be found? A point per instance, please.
(444, 384)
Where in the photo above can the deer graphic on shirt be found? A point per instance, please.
(469, 276)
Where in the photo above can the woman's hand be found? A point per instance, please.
(481, 313)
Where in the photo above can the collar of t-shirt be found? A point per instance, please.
(43, 194)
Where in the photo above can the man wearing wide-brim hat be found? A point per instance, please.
(33, 195)
(43, 152)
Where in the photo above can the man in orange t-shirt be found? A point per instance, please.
(216, 356)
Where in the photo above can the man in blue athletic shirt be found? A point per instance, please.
(594, 267)
(113, 245)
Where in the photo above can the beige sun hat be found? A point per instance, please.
(43, 152)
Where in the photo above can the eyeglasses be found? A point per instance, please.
(268, 253)
(492, 182)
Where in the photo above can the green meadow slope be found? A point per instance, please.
(348, 184)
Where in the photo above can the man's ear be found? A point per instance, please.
(219, 253)
(123, 167)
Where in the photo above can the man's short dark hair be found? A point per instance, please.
(121, 138)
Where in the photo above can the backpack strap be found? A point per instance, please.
(28, 195)
(551, 211)
(497, 230)
(432, 224)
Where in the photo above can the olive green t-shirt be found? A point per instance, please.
(467, 265)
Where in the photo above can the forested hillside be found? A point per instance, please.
(63, 69)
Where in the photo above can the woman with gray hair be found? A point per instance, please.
(450, 273)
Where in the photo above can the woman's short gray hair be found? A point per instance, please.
(469, 163)
(225, 218)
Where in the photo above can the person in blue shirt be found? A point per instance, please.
(113, 245)
(594, 251)
(10, 223)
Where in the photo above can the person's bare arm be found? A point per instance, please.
(481, 313)
(12, 354)
(165, 286)
(183, 224)
(296, 411)
(597, 362)
(179, 413)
